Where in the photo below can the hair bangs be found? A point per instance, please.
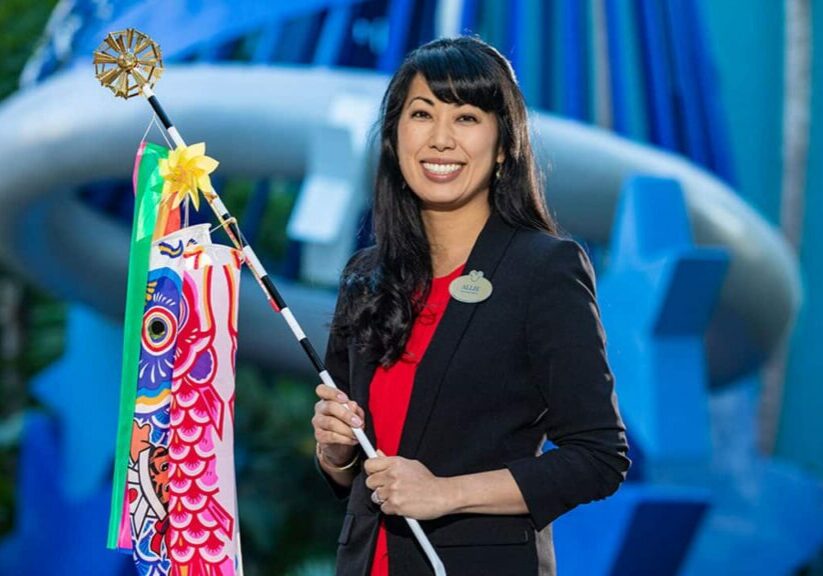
(456, 77)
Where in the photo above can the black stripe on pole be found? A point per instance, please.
(312, 354)
(158, 109)
(235, 229)
(272, 290)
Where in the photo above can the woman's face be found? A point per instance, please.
(447, 152)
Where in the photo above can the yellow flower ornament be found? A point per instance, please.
(186, 171)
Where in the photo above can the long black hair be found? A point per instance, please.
(383, 289)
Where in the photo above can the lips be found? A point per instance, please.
(441, 171)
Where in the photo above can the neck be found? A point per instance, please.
(452, 235)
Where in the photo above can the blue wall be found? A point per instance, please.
(747, 49)
(801, 429)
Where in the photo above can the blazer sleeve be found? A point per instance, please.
(337, 364)
(566, 349)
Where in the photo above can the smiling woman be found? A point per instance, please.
(447, 152)
(459, 392)
(447, 155)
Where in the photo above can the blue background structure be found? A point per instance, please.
(699, 79)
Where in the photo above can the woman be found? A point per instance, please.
(459, 392)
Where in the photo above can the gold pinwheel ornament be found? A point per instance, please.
(126, 61)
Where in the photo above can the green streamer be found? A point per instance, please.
(147, 199)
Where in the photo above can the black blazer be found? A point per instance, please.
(498, 378)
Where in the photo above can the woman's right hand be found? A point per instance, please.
(334, 417)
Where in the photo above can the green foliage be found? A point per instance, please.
(10, 430)
(42, 328)
(314, 568)
(45, 322)
(272, 238)
(21, 25)
(236, 193)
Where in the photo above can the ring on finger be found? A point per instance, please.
(375, 497)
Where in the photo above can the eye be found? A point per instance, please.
(159, 330)
(420, 114)
(468, 119)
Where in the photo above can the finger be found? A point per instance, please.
(333, 408)
(326, 437)
(331, 424)
(339, 431)
(375, 481)
(379, 497)
(357, 410)
(332, 437)
(341, 413)
(328, 393)
(375, 465)
(381, 453)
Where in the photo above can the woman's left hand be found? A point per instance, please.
(407, 488)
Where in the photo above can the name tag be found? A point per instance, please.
(470, 288)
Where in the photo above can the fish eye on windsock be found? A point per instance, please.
(157, 328)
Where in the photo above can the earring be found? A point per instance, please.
(499, 171)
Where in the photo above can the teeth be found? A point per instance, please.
(442, 168)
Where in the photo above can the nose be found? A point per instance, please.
(442, 137)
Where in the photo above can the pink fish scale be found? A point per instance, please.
(192, 468)
(205, 447)
(214, 548)
(209, 478)
(218, 556)
(190, 433)
(182, 552)
(199, 416)
(207, 484)
(179, 484)
(207, 519)
(180, 451)
(186, 398)
(194, 502)
(180, 518)
(197, 537)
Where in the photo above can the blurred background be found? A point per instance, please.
(682, 146)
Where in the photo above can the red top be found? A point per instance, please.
(391, 390)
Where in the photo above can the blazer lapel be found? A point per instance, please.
(489, 248)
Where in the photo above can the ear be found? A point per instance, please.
(501, 155)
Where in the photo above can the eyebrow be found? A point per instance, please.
(424, 99)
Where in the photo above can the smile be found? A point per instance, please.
(441, 172)
(442, 168)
